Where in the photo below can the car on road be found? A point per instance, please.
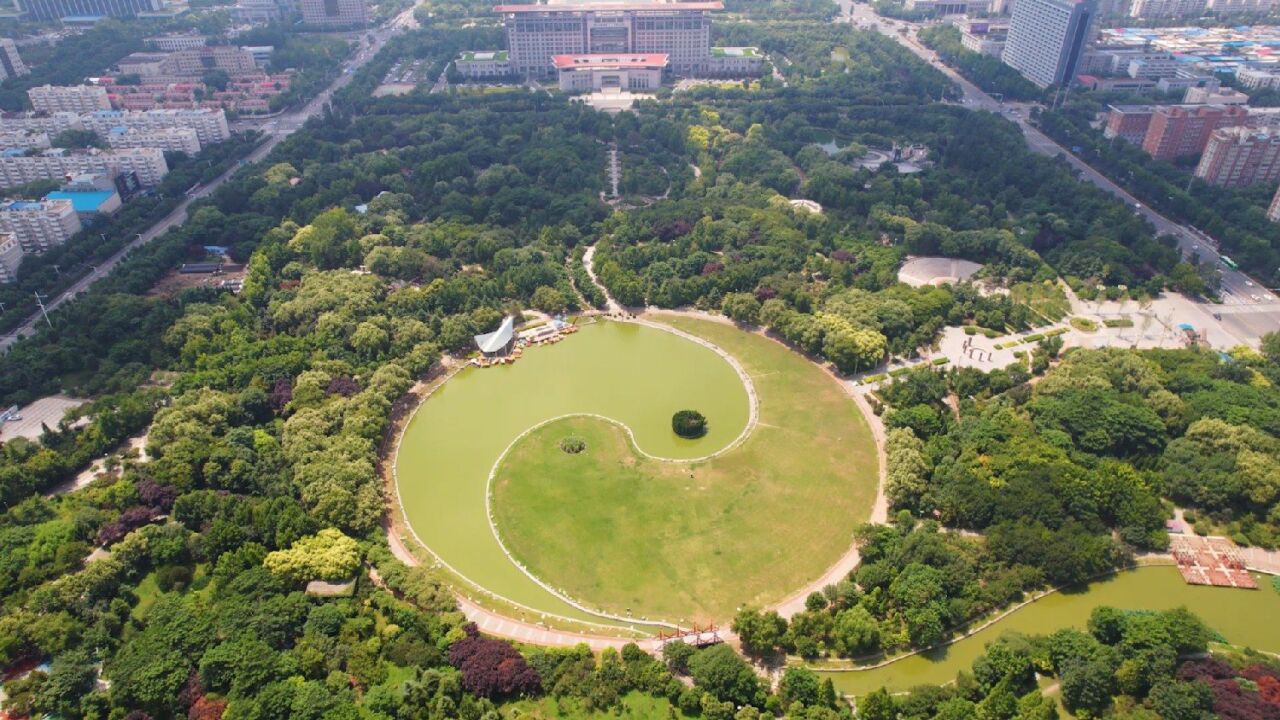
(1249, 283)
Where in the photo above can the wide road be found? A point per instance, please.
(275, 131)
(1248, 310)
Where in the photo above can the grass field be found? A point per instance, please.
(695, 541)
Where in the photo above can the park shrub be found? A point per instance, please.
(1033, 338)
(1118, 323)
(940, 361)
(873, 378)
(1055, 332)
(899, 371)
(689, 424)
(1083, 324)
(970, 330)
(573, 445)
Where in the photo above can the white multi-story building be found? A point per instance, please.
(257, 12)
(24, 139)
(483, 64)
(1046, 38)
(1153, 67)
(1241, 7)
(18, 167)
(39, 224)
(735, 62)
(1158, 9)
(210, 124)
(51, 123)
(680, 30)
(169, 139)
(11, 64)
(10, 257)
(169, 43)
(1258, 79)
(69, 98)
(335, 13)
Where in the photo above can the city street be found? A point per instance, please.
(1248, 310)
(275, 130)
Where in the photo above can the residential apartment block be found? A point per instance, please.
(39, 224)
(69, 98)
(168, 139)
(1178, 131)
(11, 64)
(1273, 211)
(51, 123)
(680, 30)
(10, 257)
(1046, 39)
(18, 167)
(210, 125)
(1237, 157)
(25, 139)
(335, 13)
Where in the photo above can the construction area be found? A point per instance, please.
(1210, 561)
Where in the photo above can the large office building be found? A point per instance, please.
(39, 224)
(1180, 131)
(69, 98)
(210, 125)
(1237, 157)
(1046, 39)
(679, 30)
(18, 166)
(60, 9)
(11, 64)
(10, 257)
(335, 13)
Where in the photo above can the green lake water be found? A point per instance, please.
(636, 375)
(1243, 617)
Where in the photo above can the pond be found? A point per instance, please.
(1243, 617)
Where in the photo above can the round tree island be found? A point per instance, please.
(689, 424)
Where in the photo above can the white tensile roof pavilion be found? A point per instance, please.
(499, 341)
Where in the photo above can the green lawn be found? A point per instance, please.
(686, 542)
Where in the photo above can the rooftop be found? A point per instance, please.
(735, 51)
(82, 202)
(498, 339)
(611, 62)
(496, 55)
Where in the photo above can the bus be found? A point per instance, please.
(1230, 263)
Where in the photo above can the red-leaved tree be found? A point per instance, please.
(492, 668)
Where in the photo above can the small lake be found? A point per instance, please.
(1243, 617)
